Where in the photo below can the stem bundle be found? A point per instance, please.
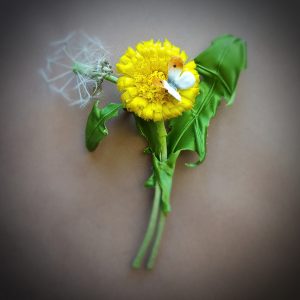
(156, 212)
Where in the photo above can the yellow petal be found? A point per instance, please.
(190, 93)
(124, 82)
(148, 112)
(132, 91)
(138, 103)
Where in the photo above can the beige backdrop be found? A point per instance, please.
(71, 221)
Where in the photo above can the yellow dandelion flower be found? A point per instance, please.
(142, 69)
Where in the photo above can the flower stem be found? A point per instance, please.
(162, 134)
(160, 229)
(163, 155)
(150, 229)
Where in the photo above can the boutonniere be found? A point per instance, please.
(171, 97)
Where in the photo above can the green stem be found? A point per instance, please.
(163, 155)
(111, 78)
(160, 229)
(162, 134)
(150, 229)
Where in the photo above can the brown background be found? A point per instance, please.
(71, 221)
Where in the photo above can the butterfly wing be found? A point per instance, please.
(171, 90)
(176, 79)
(174, 68)
(185, 80)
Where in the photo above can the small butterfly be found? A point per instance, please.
(177, 80)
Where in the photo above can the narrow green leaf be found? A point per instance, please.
(163, 174)
(96, 129)
(219, 66)
(150, 182)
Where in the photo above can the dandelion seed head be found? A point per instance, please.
(59, 73)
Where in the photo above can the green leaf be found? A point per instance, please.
(163, 164)
(96, 129)
(219, 66)
(223, 61)
(163, 174)
(150, 182)
(149, 129)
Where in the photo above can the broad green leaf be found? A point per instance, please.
(223, 61)
(96, 129)
(219, 66)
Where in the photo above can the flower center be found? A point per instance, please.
(148, 90)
